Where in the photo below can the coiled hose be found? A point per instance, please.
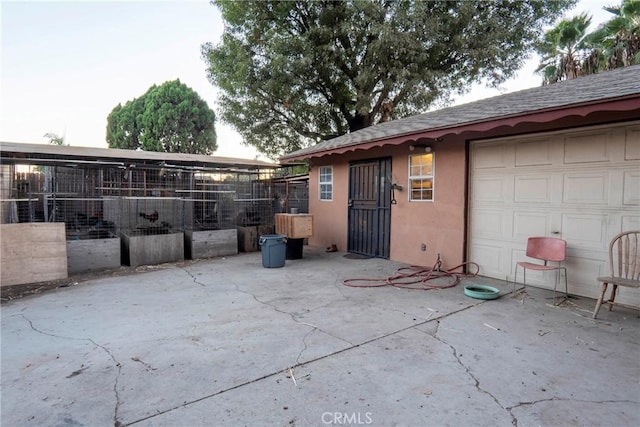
(416, 277)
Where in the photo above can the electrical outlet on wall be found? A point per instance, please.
(423, 247)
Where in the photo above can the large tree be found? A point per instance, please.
(292, 73)
(171, 118)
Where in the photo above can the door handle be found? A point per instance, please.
(350, 204)
(555, 232)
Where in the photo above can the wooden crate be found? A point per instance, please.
(294, 226)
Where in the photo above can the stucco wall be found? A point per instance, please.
(438, 224)
(330, 217)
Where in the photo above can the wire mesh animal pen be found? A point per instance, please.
(139, 208)
(97, 197)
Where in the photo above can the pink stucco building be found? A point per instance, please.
(472, 182)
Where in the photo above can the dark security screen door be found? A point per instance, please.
(370, 207)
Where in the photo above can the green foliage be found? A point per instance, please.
(569, 51)
(562, 49)
(619, 38)
(170, 118)
(54, 138)
(295, 73)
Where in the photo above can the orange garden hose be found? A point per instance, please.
(416, 277)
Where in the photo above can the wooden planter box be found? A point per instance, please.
(294, 226)
(210, 243)
(152, 249)
(93, 255)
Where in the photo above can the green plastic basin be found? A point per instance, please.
(481, 291)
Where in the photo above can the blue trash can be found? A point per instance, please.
(274, 250)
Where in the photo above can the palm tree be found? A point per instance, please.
(563, 48)
(619, 38)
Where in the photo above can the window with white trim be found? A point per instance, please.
(421, 177)
(325, 180)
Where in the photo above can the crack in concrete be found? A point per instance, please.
(116, 421)
(564, 399)
(514, 420)
(195, 279)
(304, 341)
(297, 365)
(291, 315)
(509, 409)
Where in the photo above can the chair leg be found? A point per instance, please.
(614, 291)
(599, 302)
(566, 286)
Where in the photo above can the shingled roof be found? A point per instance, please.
(593, 89)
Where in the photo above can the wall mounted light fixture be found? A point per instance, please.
(426, 148)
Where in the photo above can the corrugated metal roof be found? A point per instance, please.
(12, 150)
(596, 88)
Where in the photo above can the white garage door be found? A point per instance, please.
(582, 186)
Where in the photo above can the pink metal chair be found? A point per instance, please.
(547, 249)
(624, 266)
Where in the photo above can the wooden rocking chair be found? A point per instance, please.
(624, 266)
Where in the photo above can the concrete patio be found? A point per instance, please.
(226, 342)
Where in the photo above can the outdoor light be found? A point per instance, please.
(427, 148)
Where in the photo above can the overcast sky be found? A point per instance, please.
(65, 65)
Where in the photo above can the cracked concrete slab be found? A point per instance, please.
(407, 378)
(228, 342)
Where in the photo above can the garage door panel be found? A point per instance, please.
(585, 231)
(586, 188)
(532, 189)
(490, 156)
(628, 296)
(582, 275)
(490, 258)
(629, 222)
(536, 152)
(491, 189)
(631, 188)
(587, 147)
(632, 144)
(527, 224)
(488, 223)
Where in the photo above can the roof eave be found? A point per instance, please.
(627, 103)
(26, 151)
